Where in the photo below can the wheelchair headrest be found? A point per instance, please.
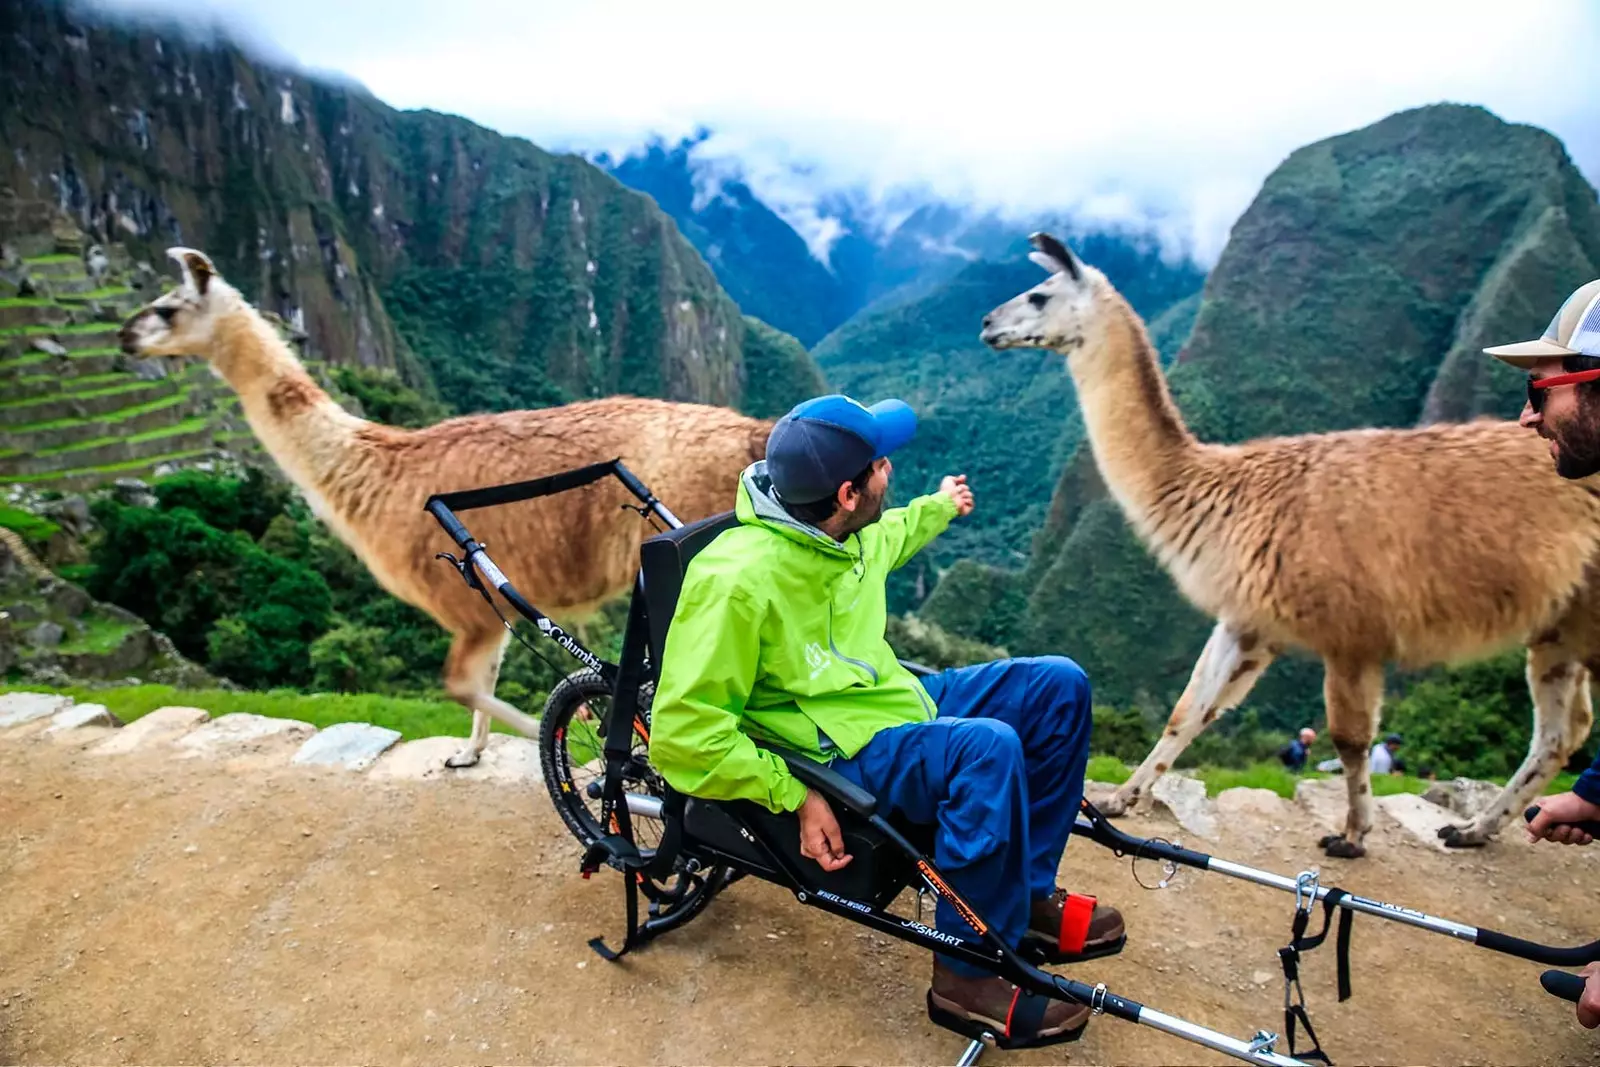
(663, 560)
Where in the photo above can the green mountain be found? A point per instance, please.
(479, 266)
(1005, 423)
(1355, 291)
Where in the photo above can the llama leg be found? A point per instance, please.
(1560, 688)
(1223, 675)
(471, 670)
(1353, 693)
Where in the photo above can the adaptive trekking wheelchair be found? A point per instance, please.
(678, 852)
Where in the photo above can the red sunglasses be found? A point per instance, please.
(1536, 386)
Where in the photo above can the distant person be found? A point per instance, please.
(1295, 752)
(1382, 758)
(1563, 407)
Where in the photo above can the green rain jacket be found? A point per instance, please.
(779, 635)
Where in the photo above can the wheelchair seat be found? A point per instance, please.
(735, 832)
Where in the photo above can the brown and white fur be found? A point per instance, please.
(568, 553)
(1413, 546)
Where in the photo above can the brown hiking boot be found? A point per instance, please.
(1069, 927)
(990, 1004)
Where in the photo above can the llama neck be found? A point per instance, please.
(302, 428)
(1140, 442)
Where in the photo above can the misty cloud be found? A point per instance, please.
(1155, 115)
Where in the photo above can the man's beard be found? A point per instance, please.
(1578, 441)
(866, 514)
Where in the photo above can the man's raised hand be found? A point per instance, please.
(955, 487)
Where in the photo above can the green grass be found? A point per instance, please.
(1281, 780)
(29, 526)
(128, 387)
(413, 717)
(25, 302)
(54, 257)
(113, 417)
(81, 327)
(198, 422)
(98, 294)
(113, 469)
(100, 635)
(99, 379)
(23, 361)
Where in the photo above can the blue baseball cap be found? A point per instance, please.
(827, 440)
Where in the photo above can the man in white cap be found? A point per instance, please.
(1563, 407)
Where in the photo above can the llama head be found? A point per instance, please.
(1057, 313)
(181, 321)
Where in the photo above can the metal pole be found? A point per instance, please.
(974, 1050)
(1250, 1052)
(1354, 903)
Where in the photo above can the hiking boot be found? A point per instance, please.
(990, 1004)
(1070, 927)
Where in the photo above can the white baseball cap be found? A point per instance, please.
(1575, 331)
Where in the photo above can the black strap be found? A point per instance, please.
(1027, 1015)
(1294, 1000)
(1298, 1011)
(467, 499)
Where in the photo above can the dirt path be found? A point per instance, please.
(161, 911)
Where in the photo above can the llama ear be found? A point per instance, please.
(1044, 261)
(1059, 257)
(197, 268)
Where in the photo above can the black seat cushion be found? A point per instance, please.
(662, 561)
(877, 872)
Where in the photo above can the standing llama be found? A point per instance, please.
(1422, 546)
(368, 481)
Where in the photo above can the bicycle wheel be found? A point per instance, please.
(572, 758)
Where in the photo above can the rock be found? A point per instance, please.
(49, 347)
(70, 512)
(505, 759)
(1244, 803)
(1186, 798)
(67, 598)
(79, 715)
(355, 746)
(159, 728)
(23, 612)
(1263, 977)
(1421, 818)
(242, 734)
(19, 708)
(1464, 796)
(1326, 800)
(133, 493)
(45, 635)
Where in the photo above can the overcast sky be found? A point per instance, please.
(1172, 112)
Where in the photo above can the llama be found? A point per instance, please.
(368, 481)
(1324, 542)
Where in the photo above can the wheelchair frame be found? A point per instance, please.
(704, 867)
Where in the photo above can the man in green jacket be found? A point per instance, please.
(779, 635)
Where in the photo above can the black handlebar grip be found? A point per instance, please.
(1588, 826)
(452, 525)
(1563, 984)
(633, 484)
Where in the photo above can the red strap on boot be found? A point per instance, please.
(1076, 911)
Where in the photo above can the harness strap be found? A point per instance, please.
(1298, 1011)
(1294, 1001)
(1026, 1015)
(1076, 911)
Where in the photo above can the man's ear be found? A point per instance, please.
(846, 497)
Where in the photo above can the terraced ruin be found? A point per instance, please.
(74, 411)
